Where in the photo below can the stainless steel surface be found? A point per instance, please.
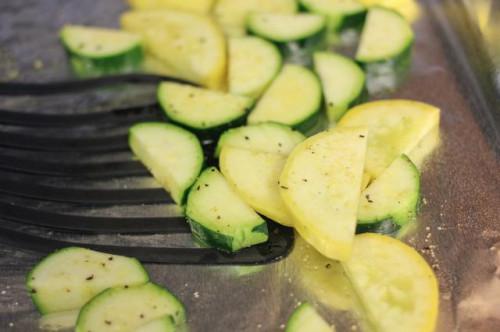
(458, 228)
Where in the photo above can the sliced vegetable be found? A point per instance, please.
(129, 308)
(96, 51)
(200, 109)
(173, 155)
(294, 99)
(219, 217)
(197, 6)
(394, 195)
(341, 13)
(253, 63)
(397, 287)
(305, 318)
(320, 186)
(425, 147)
(162, 324)
(396, 127)
(68, 278)
(386, 36)
(283, 28)
(255, 176)
(191, 44)
(342, 81)
(60, 320)
(232, 14)
(263, 137)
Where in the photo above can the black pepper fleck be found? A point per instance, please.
(90, 277)
(284, 187)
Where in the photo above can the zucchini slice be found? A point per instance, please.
(162, 324)
(255, 176)
(60, 320)
(219, 217)
(173, 155)
(341, 14)
(97, 51)
(394, 195)
(396, 286)
(202, 110)
(263, 137)
(320, 186)
(253, 64)
(232, 14)
(282, 28)
(197, 6)
(386, 36)
(396, 127)
(129, 308)
(305, 318)
(68, 278)
(425, 147)
(293, 99)
(342, 80)
(191, 44)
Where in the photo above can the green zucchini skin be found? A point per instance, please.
(215, 223)
(387, 227)
(128, 62)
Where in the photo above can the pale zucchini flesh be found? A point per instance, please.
(68, 278)
(396, 127)
(396, 286)
(284, 28)
(197, 6)
(57, 321)
(173, 155)
(232, 14)
(219, 217)
(394, 195)
(191, 44)
(253, 64)
(386, 35)
(334, 8)
(264, 137)
(201, 109)
(129, 308)
(320, 186)
(294, 99)
(162, 324)
(255, 176)
(342, 81)
(306, 318)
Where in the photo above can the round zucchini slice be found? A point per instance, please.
(386, 36)
(343, 82)
(173, 155)
(394, 195)
(201, 110)
(253, 64)
(129, 308)
(294, 99)
(282, 28)
(219, 218)
(96, 51)
(68, 278)
(263, 137)
(396, 286)
(340, 13)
